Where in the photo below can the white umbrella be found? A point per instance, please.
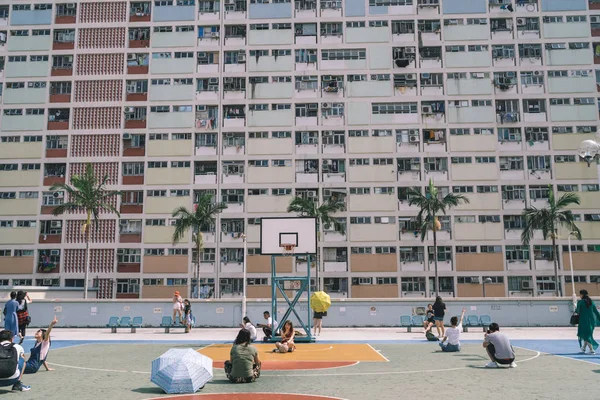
(181, 371)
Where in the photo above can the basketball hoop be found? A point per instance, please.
(287, 249)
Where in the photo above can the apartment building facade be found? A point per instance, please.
(259, 101)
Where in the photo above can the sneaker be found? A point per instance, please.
(19, 387)
(592, 352)
(275, 350)
(513, 365)
(491, 365)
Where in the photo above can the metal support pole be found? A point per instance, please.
(484, 289)
(244, 284)
(273, 294)
(572, 275)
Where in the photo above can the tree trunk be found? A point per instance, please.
(197, 266)
(435, 258)
(555, 258)
(87, 262)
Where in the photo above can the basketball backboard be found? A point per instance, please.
(299, 231)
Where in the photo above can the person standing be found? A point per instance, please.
(22, 313)
(439, 311)
(318, 322)
(187, 315)
(177, 307)
(11, 321)
(588, 318)
(498, 347)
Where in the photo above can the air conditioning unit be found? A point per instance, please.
(311, 193)
(131, 57)
(510, 74)
(129, 109)
(595, 19)
(55, 252)
(58, 195)
(527, 285)
(537, 73)
(123, 222)
(55, 224)
(411, 77)
(71, 5)
(224, 281)
(47, 281)
(325, 105)
(520, 21)
(479, 75)
(127, 136)
(228, 80)
(241, 58)
(213, 81)
(425, 76)
(409, 50)
(475, 279)
(413, 139)
(426, 110)
(313, 106)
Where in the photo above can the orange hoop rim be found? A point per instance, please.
(287, 248)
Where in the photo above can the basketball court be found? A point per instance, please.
(401, 366)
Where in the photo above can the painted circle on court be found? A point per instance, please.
(268, 365)
(250, 396)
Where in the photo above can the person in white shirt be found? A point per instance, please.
(269, 327)
(247, 325)
(453, 335)
(7, 361)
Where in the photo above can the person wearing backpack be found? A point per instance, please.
(12, 363)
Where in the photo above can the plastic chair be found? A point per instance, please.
(113, 324)
(166, 323)
(136, 323)
(485, 321)
(406, 322)
(472, 320)
(418, 321)
(125, 322)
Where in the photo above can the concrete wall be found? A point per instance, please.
(268, 11)
(227, 313)
(562, 5)
(174, 13)
(464, 6)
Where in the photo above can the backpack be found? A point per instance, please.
(9, 361)
(431, 337)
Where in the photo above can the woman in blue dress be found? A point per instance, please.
(39, 352)
(11, 322)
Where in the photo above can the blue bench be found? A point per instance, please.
(168, 323)
(124, 322)
(475, 321)
(408, 322)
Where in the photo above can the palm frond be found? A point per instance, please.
(567, 199)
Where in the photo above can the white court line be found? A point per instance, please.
(556, 355)
(88, 369)
(378, 352)
(253, 393)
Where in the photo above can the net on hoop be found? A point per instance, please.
(287, 249)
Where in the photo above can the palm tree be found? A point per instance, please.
(308, 207)
(430, 207)
(88, 194)
(548, 220)
(204, 215)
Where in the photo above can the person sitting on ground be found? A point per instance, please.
(12, 362)
(39, 352)
(269, 327)
(287, 339)
(243, 365)
(498, 348)
(453, 334)
(250, 328)
(429, 321)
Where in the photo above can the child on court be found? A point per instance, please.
(453, 335)
(177, 308)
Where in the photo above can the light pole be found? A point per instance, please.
(571, 263)
(244, 275)
(589, 151)
(486, 281)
